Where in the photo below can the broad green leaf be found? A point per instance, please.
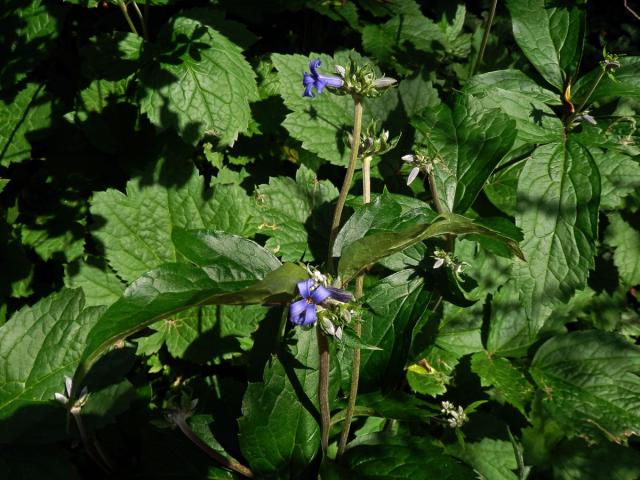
(135, 228)
(492, 459)
(24, 119)
(174, 287)
(459, 330)
(416, 94)
(512, 81)
(396, 405)
(378, 456)
(502, 188)
(410, 229)
(99, 283)
(31, 462)
(511, 332)
(550, 35)
(590, 383)
(626, 241)
(577, 460)
(201, 85)
(39, 345)
(620, 175)
(393, 307)
(535, 121)
(50, 242)
(433, 372)
(322, 122)
(110, 60)
(3, 183)
(289, 210)
(469, 141)
(558, 198)
(279, 432)
(508, 380)
(625, 82)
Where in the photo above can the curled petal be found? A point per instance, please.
(313, 66)
(320, 294)
(308, 92)
(340, 295)
(309, 315)
(304, 288)
(307, 80)
(296, 310)
(412, 175)
(68, 385)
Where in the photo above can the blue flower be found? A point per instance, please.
(303, 312)
(318, 81)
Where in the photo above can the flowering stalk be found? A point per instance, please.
(348, 177)
(355, 368)
(323, 388)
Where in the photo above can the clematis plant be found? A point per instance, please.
(304, 312)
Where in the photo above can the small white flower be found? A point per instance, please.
(407, 158)
(438, 263)
(384, 82)
(447, 407)
(338, 333)
(340, 70)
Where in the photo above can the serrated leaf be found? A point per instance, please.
(279, 431)
(174, 287)
(433, 372)
(459, 330)
(511, 332)
(204, 85)
(509, 381)
(24, 118)
(620, 175)
(590, 383)
(288, 211)
(626, 241)
(381, 456)
(625, 82)
(320, 123)
(413, 227)
(416, 94)
(558, 198)
(468, 143)
(492, 459)
(99, 283)
(393, 307)
(512, 81)
(135, 228)
(39, 345)
(551, 36)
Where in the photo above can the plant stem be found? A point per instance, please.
(145, 34)
(182, 424)
(593, 89)
(323, 388)
(355, 368)
(99, 459)
(123, 7)
(485, 38)
(348, 177)
(434, 194)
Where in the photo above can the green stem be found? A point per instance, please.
(348, 177)
(323, 388)
(434, 194)
(485, 38)
(224, 461)
(355, 369)
(145, 34)
(103, 463)
(593, 89)
(123, 7)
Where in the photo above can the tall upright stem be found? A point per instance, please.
(145, 34)
(485, 38)
(323, 389)
(355, 369)
(125, 12)
(348, 177)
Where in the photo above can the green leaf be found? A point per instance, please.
(620, 175)
(590, 383)
(558, 197)
(24, 119)
(511, 332)
(469, 141)
(625, 82)
(99, 283)
(135, 228)
(39, 345)
(396, 405)
(288, 211)
(411, 228)
(509, 381)
(417, 94)
(202, 84)
(279, 432)
(577, 460)
(626, 241)
(512, 81)
(492, 459)
(459, 331)
(433, 372)
(321, 123)
(502, 188)
(379, 456)
(551, 36)
(393, 307)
